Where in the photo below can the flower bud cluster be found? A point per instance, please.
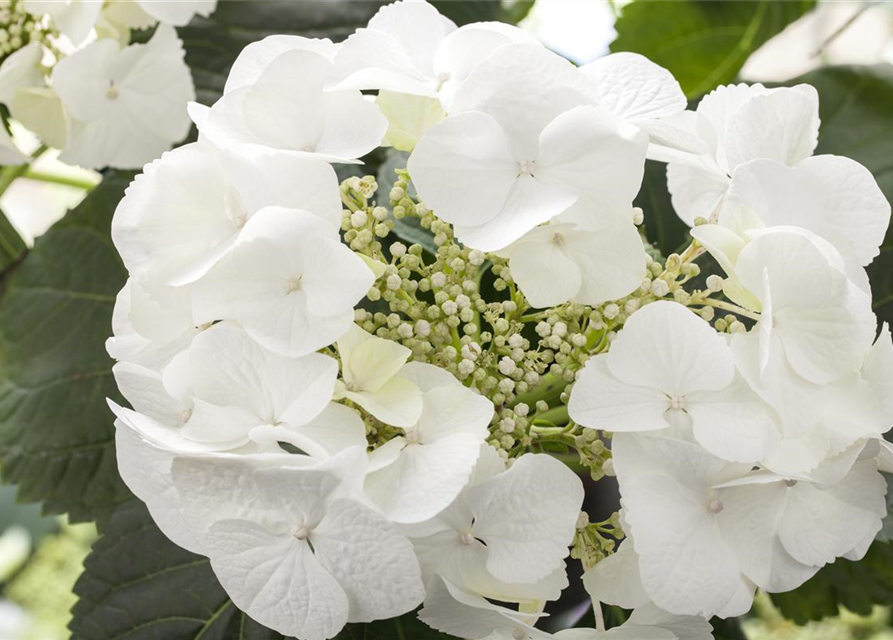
(19, 28)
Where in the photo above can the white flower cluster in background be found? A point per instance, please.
(350, 427)
(68, 74)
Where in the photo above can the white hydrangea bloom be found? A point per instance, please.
(297, 548)
(74, 18)
(415, 476)
(288, 280)
(430, 60)
(560, 262)
(227, 393)
(476, 541)
(737, 124)
(177, 12)
(523, 144)
(832, 196)
(19, 71)
(288, 111)
(189, 208)
(370, 368)
(669, 368)
(822, 320)
(151, 324)
(639, 91)
(107, 91)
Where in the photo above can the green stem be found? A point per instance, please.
(8, 175)
(12, 246)
(549, 387)
(733, 308)
(556, 415)
(67, 181)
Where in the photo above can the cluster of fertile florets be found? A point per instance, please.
(356, 400)
(18, 28)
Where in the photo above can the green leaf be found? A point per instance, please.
(886, 532)
(663, 228)
(12, 247)
(702, 42)
(213, 43)
(856, 108)
(858, 586)
(139, 585)
(56, 433)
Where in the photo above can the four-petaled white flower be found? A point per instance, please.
(669, 368)
(524, 143)
(476, 541)
(106, 92)
(590, 264)
(287, 110)
(289, 281)
(297, 548)
(187, 209)
(430, 60)
(415, 476)
(370, 368)
(737, 124)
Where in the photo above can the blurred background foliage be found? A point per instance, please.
(63, 495)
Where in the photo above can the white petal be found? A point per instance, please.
(417, 26)
(258, 55)
(832, 196)
(543, 484)
(591, 150)
(634, 88)
(146, 394)
(666, 346)
(398, 402)
(409, 117)
(425, 478)
(367, 361)
(20, 71)
(782, 125)
(454, 410)
(823, 321)
(372, 59)
(601, 401)
(749, 522)
(611, 258)
(450, 610)
(177, 13)
(530, 203)
(821, 525)
(734, 423)
(543, 270)
(336, 428)
(277, 580)
(372, 561)
(145, 469)
(684, 627)
(74, 19)
(427, 377)
(615, 580)
(686, 566)
(696, 191)
(548, 84)
(463, 169)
